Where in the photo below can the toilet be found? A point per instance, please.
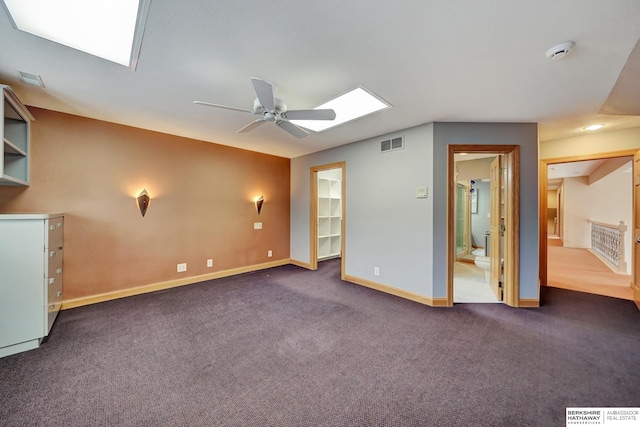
(484, 262)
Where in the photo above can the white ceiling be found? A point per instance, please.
(558, 171)
(573, 169)
(437, 60)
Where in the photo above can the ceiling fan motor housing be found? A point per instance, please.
(281, 107)
(272, 109)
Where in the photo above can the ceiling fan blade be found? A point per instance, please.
(226, 107)
(294, 130)
(254, 124)
(310, 114)
(264, 91)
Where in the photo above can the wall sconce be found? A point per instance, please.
(259, 203)
(143, 200)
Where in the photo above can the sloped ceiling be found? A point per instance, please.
(437, 60)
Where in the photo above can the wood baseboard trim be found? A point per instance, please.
(108, 296)
(301, 264)
(432, 302)
(528, 303)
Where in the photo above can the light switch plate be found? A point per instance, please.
(422, 192)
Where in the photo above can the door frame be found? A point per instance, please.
(543, 175)
(313, 213)
(495, 228)
(511, 157)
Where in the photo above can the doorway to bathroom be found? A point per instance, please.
(483, 223)
(327, 214)
(471, 272)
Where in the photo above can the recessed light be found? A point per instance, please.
(356, 103)
(593, 127)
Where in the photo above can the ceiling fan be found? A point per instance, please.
(272, 109)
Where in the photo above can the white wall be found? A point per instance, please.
(576, 213)
(609, 200)
(386, 225)
(592, 144)
(406, 237)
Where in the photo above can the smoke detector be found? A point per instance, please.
(561, 50)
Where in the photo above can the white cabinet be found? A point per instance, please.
(15, 132)
(31, 252)
(329, 217)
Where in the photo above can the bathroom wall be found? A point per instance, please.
(481, 221)
(473, 169)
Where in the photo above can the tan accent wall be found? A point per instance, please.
(202, 203)
(590, 144)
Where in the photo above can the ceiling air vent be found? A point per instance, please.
(392, 144)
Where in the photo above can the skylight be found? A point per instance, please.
(110, 29)
(354, 104)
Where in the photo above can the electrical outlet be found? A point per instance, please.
(257, 226)
(376, 271)
(270, 253)
(182, 267)
(210, 262)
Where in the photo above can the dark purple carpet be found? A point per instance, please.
(291, 347)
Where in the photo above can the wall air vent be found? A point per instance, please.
(393, 144)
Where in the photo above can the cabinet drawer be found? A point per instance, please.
(51, 314)
(56, 230)
(54, 263)
(54, 289)
(55, 255)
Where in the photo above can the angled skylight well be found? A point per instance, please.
(354, 104)
(110, 29)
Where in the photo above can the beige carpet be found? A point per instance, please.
(579, 270)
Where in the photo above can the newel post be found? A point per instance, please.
(622, 264)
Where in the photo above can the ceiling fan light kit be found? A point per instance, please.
(272, 109)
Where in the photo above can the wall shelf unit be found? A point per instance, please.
(329, 216)
(15, 131)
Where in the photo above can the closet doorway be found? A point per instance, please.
(327, 214)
